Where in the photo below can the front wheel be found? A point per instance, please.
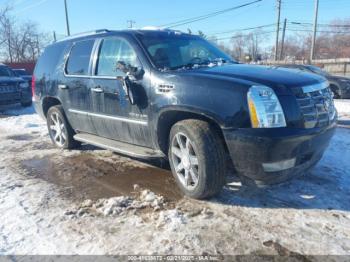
(197, 158)
(60, 131)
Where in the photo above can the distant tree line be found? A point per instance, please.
(19, 42)
(333, 41)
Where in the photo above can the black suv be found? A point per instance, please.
(163, 93)
(13, 89)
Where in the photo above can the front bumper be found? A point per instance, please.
(10, 98)
(20, 96)
(251, 150)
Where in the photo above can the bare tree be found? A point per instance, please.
(254, 40)
(19, 42)
(238, 45)
(6, 32)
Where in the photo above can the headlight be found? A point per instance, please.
(264, 108)
(24, 85)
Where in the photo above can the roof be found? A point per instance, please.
(144, 30)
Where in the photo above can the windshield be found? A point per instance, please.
(5, 72)
(317, 70)
(175, 51)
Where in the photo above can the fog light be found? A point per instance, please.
(279, 166)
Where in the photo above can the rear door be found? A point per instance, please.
(114, 117)
(76, 86)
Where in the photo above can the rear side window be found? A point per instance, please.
(79, 58)
(49, 60)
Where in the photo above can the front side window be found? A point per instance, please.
(79, 58)
(113, 51)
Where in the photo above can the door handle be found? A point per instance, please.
(97, 90)
(62, 86)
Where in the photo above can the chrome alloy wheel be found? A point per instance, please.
(185, 161)
(57, 129)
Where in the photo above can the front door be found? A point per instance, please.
(114, 116)
(75, 89)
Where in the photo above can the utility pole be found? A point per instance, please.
(130, 23)
(283, 34)
(54, 36)
(312, 54)
(278, 27)
(67, 21)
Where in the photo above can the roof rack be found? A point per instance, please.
(93, 32)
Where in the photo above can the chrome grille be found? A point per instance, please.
(7, 89)
(317, 107)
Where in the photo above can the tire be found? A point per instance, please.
(206, 175)
(26, 104)
(56, 120)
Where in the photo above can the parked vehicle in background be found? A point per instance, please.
(13, 89)
(339, 85)
(23, 74)
(163, 93)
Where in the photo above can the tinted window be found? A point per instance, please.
(48, 61)
(79, 58)
(5, 71)
(112, 51)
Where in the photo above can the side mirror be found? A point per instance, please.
(135, 73)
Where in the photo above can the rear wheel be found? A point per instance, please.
(197, 158)
(60, 131)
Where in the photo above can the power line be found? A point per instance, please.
(243, 29)
(31, 6)
(232, 37)
(324, 25)
(203, 17)
(318, 31)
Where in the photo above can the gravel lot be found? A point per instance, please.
(91, 201)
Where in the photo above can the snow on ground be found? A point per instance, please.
(343, 108)
(309, 215)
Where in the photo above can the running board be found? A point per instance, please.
(119, 147)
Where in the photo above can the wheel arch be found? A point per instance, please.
(49, 101)
(167, 118)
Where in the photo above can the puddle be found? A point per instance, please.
(23, 137)
(87, 176)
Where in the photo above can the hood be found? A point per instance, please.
(265, 75)
(335, 77)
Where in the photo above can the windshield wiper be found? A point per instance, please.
(209, 63)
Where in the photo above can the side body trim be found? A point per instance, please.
(122, 119)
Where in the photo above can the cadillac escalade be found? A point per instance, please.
(167, 94)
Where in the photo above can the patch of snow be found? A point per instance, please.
(308, 215)
(342, 106)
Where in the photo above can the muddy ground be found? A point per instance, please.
(92, 201)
